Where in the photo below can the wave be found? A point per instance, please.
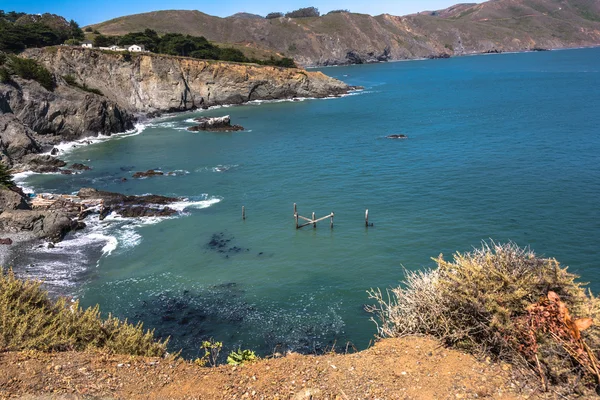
(67, 147)
(218, 168)
(69, 263)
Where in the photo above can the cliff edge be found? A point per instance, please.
(154, 83)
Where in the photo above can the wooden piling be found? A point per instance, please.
(244, 213)
(367, 218)
(296, 218)
(314, 220)
(295, 209)
(331, 225)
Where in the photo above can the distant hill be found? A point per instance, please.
(493, 26)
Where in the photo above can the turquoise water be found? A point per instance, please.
(502, 146)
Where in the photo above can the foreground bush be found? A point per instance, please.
(505, 302)
(29, 320)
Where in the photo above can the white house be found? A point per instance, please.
(87, 44)
(114, 47)
(136, 48)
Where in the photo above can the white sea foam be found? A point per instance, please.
(66, 147)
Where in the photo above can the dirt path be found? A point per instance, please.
(411, 368)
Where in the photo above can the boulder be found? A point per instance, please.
(7, 241)
(12, 200)
(80, 167)
(41, 163)
(49, 225)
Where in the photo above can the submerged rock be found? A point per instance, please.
(400, 136)
(215, 124)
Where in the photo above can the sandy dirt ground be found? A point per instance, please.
(410, 368)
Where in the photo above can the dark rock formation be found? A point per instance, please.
(397, 136)
(215, 124)
(131, 206)
(33, 119)
(41, 163)
(438, 56)
(7, 241)
(147, 174)
(12, 200)
(80, 167)
(49, 225)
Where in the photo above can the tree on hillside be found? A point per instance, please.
(104, 41)
(304, 13)
(274, 15)
(75, 31)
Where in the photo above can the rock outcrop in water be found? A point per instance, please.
(215, 124)
(152, 83)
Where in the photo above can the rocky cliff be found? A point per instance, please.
(33, 119)
(350, 38)
(150, 82)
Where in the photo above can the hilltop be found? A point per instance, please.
(344, 37)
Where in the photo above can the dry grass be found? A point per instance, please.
(482, 302)
(30, 320)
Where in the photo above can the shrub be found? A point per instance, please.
(500, 301)
(3, 58)
(72, 81)
(30, 69)
(274, 15)
(88, 29)
(211, 353)
(4, 75)
(6, 178)
(338, 11)
(304, 13)
(240, 357)
(29, 320)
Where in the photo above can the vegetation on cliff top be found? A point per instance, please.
(19, 31)
(30, 320)
(26, 69)
(505, 302)
(176, 44)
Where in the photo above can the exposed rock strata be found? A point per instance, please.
(151, 83)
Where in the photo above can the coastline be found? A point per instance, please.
(456, 56)
(25, 243)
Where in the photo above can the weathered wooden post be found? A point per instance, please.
(367, 218)
(295, 209)
(314, 222)
(331, 220)
(296, 218)
(244, 213)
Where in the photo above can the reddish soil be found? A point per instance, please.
(410, 368)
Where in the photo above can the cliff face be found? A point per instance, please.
(150, 82)
(342, 38)
(33, 119)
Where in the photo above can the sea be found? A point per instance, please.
(499, 147)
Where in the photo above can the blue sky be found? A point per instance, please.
(89, 11)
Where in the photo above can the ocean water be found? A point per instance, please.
(503, 147)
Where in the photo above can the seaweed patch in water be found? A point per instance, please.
(221, 243)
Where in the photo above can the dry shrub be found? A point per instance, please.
(30, 320)
(484, 302)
